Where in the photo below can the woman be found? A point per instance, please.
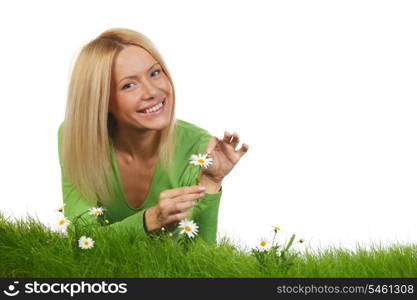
(122, 148)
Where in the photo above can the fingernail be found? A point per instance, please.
(209, 150)
(202, 188)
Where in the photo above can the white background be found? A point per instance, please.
(324, 93)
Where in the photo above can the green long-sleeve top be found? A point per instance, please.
(190, 139)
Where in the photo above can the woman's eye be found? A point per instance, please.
(126, 85)
(159, 71)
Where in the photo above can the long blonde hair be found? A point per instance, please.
(87, 130)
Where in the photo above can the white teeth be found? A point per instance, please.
(154, 108)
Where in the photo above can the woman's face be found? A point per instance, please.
(141, 94)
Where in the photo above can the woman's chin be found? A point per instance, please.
(156, 124)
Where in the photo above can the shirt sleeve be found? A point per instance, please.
(205, 212)
(76, 204)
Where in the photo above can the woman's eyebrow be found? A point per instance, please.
(134, 76)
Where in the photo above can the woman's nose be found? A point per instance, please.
(149, 90)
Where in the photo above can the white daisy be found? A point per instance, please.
(63, 223)
(188, 227)
(263, 245)
(96, 211)
(201, 160)
(85, 242)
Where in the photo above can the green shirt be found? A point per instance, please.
(190, 139)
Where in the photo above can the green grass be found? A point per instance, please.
(30, 249)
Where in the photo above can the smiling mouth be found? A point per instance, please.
(154, 109)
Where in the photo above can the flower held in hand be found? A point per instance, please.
(201, 160)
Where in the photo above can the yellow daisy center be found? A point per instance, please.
(263, 243)
(201, 161)
(86, 243)
(187, 228)
(61, 222)
(277, 228)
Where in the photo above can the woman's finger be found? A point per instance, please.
(172, 193)
(176, 218)
(181, 207)
(243, 149)
(212, 144)
(227, 137)
(174, 205)
(187, 197)
(235, 140)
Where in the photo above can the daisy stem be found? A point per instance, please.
(85, 223)
(199, 176)
(78, 217)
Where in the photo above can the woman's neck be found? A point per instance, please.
(136, 144)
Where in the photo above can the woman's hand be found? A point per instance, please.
(172, 207)
(225, 156)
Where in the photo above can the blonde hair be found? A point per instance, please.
(87, 130)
